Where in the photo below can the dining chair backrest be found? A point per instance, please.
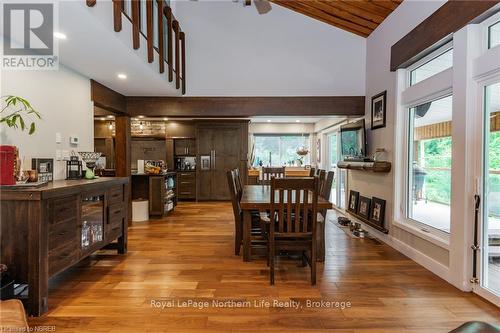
(234, 195)
(327, 185)
(269, 172)
(239, 186)
(312, 172)
(321, 179)
(294, 204)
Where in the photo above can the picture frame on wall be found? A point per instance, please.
(353, 202)
(377, 211)
(364, 207)
(379, 108)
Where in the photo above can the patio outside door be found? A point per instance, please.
(337, 196)
(488, 269)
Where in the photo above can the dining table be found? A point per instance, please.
(258, 198)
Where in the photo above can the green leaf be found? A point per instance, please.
(32, 128)
(21, 121)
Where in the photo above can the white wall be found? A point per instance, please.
(63, 99)
(379, 78)
(233, 51)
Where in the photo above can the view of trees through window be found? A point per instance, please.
(437, 164)
(278, 150)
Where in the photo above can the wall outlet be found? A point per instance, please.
(73, 140)
(58, 137)
(65, 155)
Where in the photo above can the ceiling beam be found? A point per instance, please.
(225, 107)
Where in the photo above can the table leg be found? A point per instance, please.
(247, 231)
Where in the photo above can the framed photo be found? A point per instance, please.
(353, 201)
(377, 212)
(379, 110)
(364, 207)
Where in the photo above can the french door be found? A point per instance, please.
(488, 233)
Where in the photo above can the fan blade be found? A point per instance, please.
(263, 6)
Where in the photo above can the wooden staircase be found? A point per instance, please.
(155, 21)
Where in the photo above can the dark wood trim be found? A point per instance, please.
(168, 14)
(149, 26)
(182, 37)
(450, 17)
(175, 25)
(352, 106)
(160, 36)
(117, 15)
(135, 24)
(91, 3)
(106, 98)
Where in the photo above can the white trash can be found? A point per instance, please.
(140, 210)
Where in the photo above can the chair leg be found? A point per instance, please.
(320, 241)
(304, 259)
(271, 263)
(313, 267)
(238, 237)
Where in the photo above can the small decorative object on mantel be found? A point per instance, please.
(364, 207)
(353, 201)
(379, 106)
(377, 211)
(343, 221)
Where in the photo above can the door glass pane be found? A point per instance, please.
(491, 221)
(434, 66)
(494, 35)
(341, 192)
(429, 171)
(333, 165)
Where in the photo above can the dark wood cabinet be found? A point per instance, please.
(157, 189)
(46, 230)
(185, 147)
(186, 181)
(180, 129)
(225, 145)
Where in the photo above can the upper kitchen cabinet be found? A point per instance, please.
(180, 129)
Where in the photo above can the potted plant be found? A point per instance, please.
(16, 113)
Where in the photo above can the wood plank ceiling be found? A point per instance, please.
(360, 17)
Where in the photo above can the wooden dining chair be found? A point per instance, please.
(294, 204)
(257, 234)
(269, 172)
(320, 235)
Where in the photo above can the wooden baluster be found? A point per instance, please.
(149, 25)
(161, 51)
(117, 14)
(136, 24)
(175, 25)
(91, 3)
(183, 60)
(168, 15)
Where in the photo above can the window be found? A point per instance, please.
(494, 35)
(429, 163)
(436, 64)
(278, 150)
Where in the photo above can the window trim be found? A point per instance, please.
(428, 58)
(486, 24)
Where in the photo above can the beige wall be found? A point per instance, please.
(63, 98)
(380, 78)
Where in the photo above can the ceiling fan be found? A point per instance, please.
(262, 6)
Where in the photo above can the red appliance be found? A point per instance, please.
(7, 160)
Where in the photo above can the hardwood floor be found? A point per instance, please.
(189, 256)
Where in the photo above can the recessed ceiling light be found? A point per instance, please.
(269, 120)
(140, 117)
(297, 121)
(111, 117)
(103, 119)
(165, 119)
(59, 35)
(122, 76)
